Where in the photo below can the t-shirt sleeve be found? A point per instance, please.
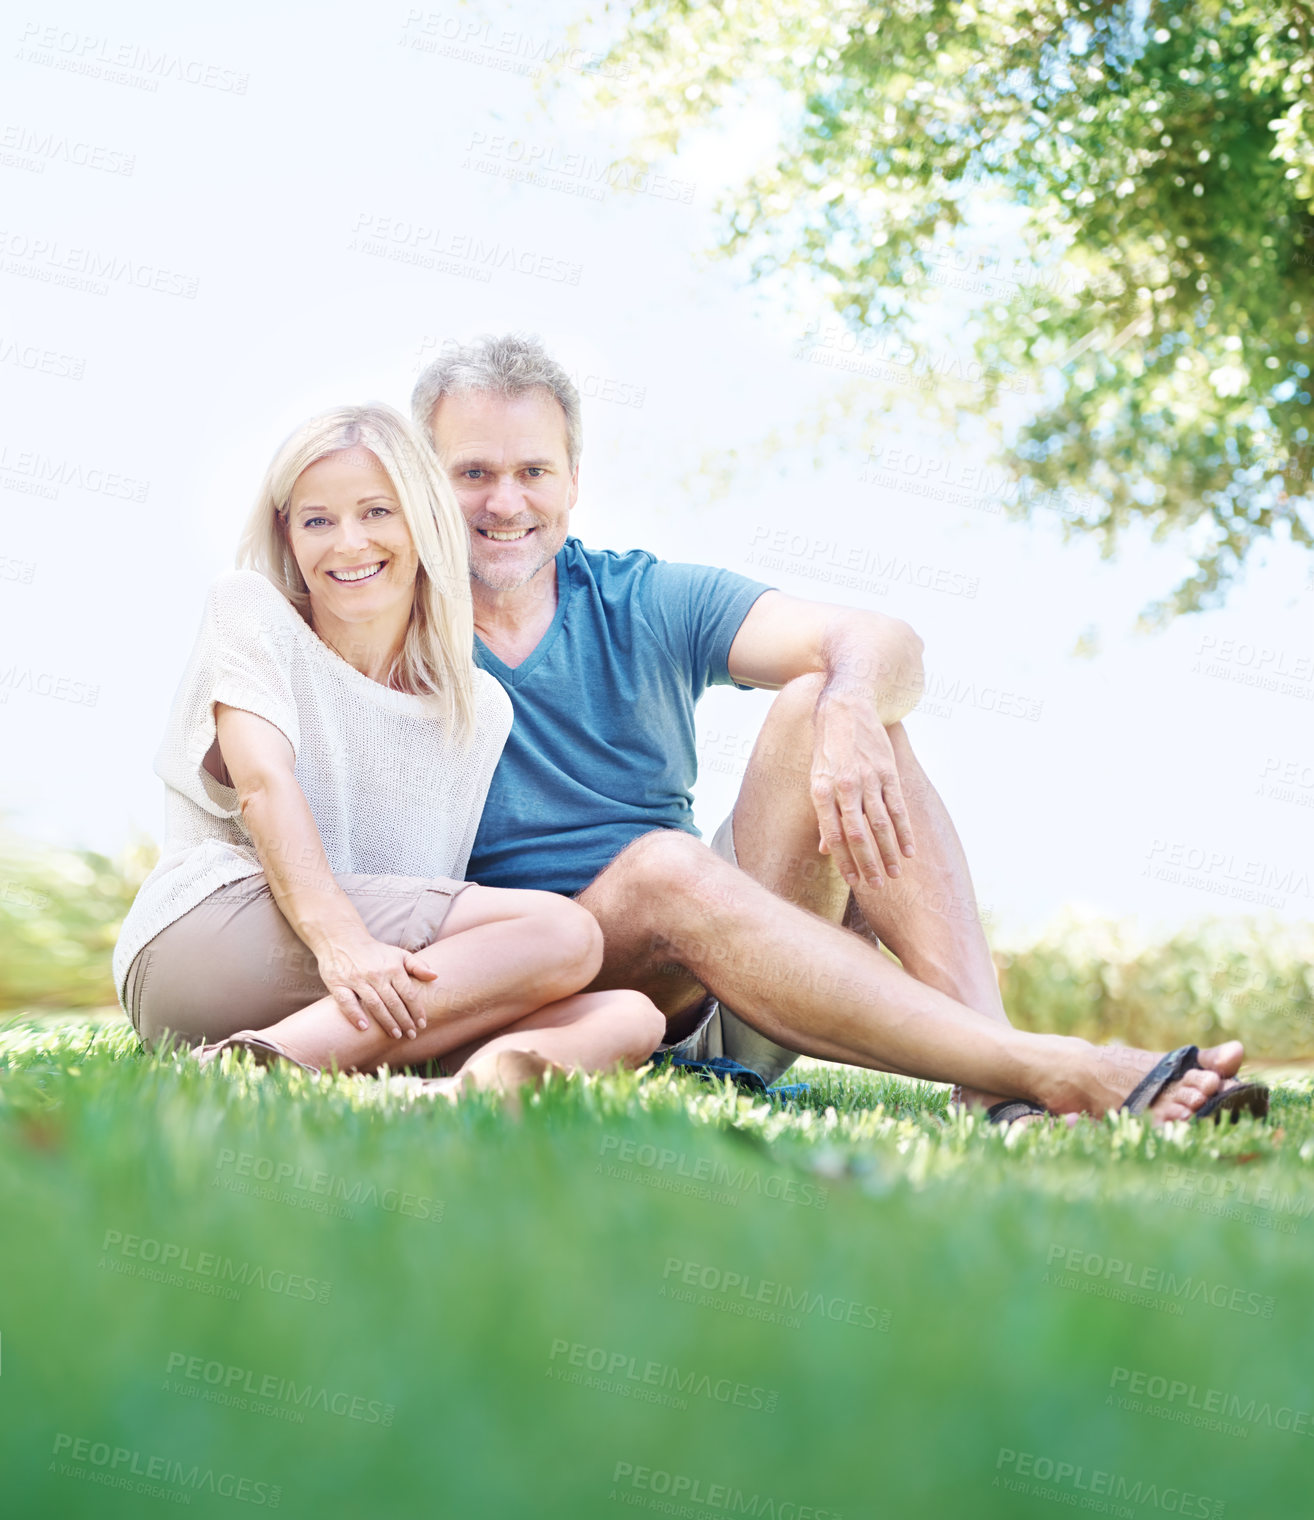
(241, 658)
(698, 610)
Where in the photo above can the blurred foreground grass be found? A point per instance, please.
(241, 1287)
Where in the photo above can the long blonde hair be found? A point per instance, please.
(436, 658)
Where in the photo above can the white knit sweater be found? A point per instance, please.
(389, 794)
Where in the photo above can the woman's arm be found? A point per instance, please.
(364, 975)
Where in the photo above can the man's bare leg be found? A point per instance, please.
(927, 915)
(668, 906)
(676, 920)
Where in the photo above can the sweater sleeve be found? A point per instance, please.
(241, 658)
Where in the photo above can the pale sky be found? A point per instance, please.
(216, 224)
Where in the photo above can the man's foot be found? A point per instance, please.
(980, 1103)
(1094, 1079)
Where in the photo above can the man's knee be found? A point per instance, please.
(669, 886)
(782, 755)
(664, 861)
(784, 751)
(794, 707)
(802, 691)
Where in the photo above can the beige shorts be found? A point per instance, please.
(233, 962)
(720, 1032)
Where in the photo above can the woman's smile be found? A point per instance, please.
(353, 577)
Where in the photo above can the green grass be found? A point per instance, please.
(912, 1262)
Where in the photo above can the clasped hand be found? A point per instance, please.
(371, 980)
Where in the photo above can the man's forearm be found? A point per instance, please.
(875, 657)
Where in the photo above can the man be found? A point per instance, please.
(740, 943)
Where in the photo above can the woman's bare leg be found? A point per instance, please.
(500, 955)
(592, 1031)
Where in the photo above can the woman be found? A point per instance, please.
(326, 762)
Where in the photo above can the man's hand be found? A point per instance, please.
(874, 676)
(856, 789)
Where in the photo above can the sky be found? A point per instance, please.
(216, 223)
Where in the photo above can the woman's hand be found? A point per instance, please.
(366, 977)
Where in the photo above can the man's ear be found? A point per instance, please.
(430, 430)
(574, 487)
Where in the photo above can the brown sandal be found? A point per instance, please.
(264, 1050)
(1240, 1098)
(267, 1052)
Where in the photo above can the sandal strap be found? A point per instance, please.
(1166, 1071)
(262, 1049)
(1012, 1108)
(1240, 1098)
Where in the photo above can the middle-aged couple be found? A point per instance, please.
(336, 765)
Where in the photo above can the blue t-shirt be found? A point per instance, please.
(602, 744)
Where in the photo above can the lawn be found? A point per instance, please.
(638, 1293)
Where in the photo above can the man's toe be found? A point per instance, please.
(1224, 1059)
(1192, 1091)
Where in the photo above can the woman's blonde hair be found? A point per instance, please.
(436, 659)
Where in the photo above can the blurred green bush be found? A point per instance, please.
(60, 913)
(1240, 978)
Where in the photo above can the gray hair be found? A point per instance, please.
(508, 365)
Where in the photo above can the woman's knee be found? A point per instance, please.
(648, 1025)
(572, 933)
(635, 1022)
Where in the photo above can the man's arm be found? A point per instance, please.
(872, 666)
(784, 637)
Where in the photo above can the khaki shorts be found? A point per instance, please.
(233, 962)
(719, 1031)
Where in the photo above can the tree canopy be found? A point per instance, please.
(1159, 157)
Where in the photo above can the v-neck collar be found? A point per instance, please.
(517, 675)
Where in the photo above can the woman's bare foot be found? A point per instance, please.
(507, 1072)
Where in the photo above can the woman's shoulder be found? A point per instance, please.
(493, 713)
(242, 604)
(246, 588)
(490, 694)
